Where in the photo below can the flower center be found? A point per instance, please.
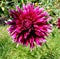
(27, 24)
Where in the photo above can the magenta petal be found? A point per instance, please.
(31, 39)
(10, 22)
(44, 14)
(36, 9)
(14, 35)
(20, 38)
(12, 11)
(26, 43)
(31, 42)
(32, 45)
(30, 6)
(42, 40)
(11, 29)
(38, 41)
(37, 33)
(40, 20)
(18, 9)
(26, 35)
(18, 29)
(41, 10)
(24, 7)
(58, 23)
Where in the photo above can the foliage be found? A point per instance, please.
(50, 5)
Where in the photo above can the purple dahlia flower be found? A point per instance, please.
(58, 23)
(29, 25)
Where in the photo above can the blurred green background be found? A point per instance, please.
(8, 49)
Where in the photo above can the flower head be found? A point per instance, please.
(58, 23)
(29, 25)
